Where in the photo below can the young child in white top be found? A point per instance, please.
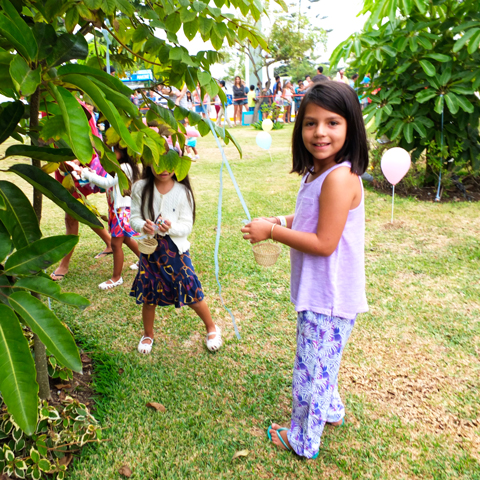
(118, 213)
(164, 207)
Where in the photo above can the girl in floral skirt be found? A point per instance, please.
(164, 207)
(118, 213)
(326, 240)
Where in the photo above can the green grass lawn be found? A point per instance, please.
(410, 375)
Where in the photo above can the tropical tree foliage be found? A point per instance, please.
(424, 57)
(28, 255)
(45, 60)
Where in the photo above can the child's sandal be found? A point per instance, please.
(215, 343)
(145, 348)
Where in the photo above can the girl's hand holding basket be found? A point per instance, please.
(257, 230)
(149, 228)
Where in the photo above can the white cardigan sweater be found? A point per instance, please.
(109, 182)
(173, 206)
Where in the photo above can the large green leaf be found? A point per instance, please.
(112, 82)
(49, 288)
(25, 80)
(452, 102)
(19, 217)
(465, 104)
(46, 37)
(57, 193)
(232, 138)
(425, 95)
(428, 68)
(6, 243)
(110, 164)
(49, 329)
(15, 29)
(105, 106)
(40, 254)
(119, 100)
(18, 384)
(464, 39)
(408, 132)
(11, 114)
(76, 123)
(68, 47)
(46, 154)
(420, 129)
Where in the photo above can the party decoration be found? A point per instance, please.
(395, 165)
(264, 140)
(192, 132)
(267, 125)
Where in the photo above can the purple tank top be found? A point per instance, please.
(334, 285)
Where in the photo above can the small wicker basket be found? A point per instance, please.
(147, 245)
(266, 254)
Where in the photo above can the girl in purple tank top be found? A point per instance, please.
(326, 240)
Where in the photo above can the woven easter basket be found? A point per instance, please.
(266, 254)
(147, 245)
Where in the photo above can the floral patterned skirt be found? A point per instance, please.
(119, 224)
(166, 277)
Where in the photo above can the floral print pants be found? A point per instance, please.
(320, 343)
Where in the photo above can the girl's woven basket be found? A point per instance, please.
(266, 254)
(147, 245)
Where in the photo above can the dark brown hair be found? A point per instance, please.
(341, 99)
(148, 191)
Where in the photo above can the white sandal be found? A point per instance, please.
(214, 344)
(145, 347)
(106, 285)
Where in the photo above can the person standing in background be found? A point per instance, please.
(341, 77)
(222, 112)
(251, 98)
(238, 95)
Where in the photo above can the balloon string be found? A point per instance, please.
(393, 200)
(437, 198)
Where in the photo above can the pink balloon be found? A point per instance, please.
(395, 164)
(192, 132)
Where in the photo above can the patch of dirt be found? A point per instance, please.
(78, 388)
(469, 193)
(406, 380)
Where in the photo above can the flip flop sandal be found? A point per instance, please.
(269, 434)
(58, 276)
(215, 343)
(145, 347)
(107, 286)
(102, 254)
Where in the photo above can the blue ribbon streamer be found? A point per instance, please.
(437, 198)
(219, 213)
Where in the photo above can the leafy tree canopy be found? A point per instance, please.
(424, 56)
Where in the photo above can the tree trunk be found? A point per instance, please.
(41, 366)
(39, 348)
(37, 195)
(255, 112)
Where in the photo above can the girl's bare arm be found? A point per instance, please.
(341, 192)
